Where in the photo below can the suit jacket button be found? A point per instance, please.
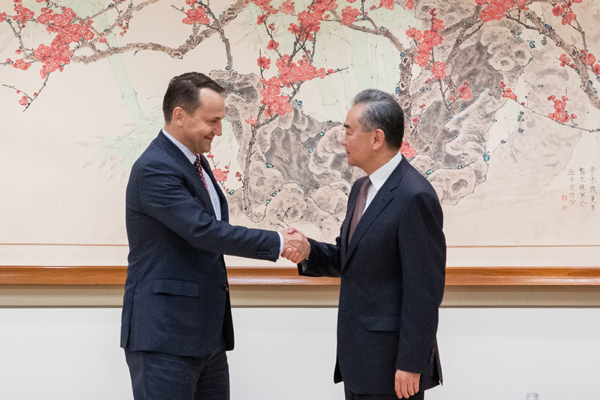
(344, 278)
(225, 287)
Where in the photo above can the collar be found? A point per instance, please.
(379, 177)
(186, 152)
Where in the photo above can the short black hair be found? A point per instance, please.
(184, 92)
(383, 112)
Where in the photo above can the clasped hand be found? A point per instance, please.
(295, 245)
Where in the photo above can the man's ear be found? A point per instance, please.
(378, 138)
(178, 116)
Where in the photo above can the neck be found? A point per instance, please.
(172, 130)
(379, 159)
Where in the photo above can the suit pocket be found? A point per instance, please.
(178, 288)
(383, 324)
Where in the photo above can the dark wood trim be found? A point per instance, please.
(247, 276)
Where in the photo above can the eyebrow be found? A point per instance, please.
(346, 126)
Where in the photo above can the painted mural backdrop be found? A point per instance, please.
(501, 100)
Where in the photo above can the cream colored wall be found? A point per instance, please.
(289, 353)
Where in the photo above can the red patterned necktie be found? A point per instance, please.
(360, 206)
(198, 165)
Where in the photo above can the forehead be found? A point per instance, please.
(211, 103)
(354, 115)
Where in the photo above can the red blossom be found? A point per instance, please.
(23, 14)
(349, 15)
(432, 38)
(465, 92)
(389, 4)
(24, 101)
(272, 45)
(422, 58)
(407, 150)
(264, 62)
(2, 17)
(274, 102)
(568, 17)
(262, 19)
(495, 9)
(21, 64)
(522, 4)
(220, 175)
(559, 114)
(287, 7)
(295, 29)
(252, 122)
(266, 6)
(439, 70)
(564, 60)
(198, 15)
(597, 69)
(437, 24)
(414, 33)
(557, 11)
(509, 94)
(410, 4)
(591, 59)
(310, 23)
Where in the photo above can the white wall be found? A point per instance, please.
(491, 354)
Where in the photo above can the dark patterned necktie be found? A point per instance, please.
(198, 165)
(360, 206)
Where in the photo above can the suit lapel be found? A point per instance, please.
(222, 199)
(346, 224)
(188, 168)
(381, 200)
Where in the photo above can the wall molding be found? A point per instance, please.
(278, 276)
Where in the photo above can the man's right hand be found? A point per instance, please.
(295, 245)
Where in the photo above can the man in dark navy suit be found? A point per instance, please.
(391, 256)
(176, 322)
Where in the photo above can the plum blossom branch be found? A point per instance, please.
(229, 15)
(381, 31)
(27, 100)
(217, 25)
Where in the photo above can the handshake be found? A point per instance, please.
(295, 245)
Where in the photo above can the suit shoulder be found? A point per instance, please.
(415, 184)
(153, 156)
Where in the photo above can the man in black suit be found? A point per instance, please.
(391, 256)
(176, 322)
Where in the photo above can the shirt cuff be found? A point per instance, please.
(280, 243)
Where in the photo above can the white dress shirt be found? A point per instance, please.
(212, 192)
(379, 177)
